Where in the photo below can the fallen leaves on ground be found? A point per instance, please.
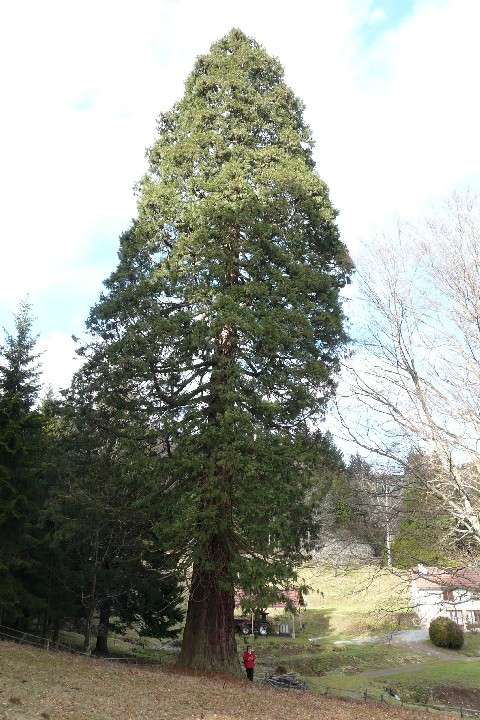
(60, 686)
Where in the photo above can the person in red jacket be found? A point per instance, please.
(249, 658)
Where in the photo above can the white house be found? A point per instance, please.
(451, 592)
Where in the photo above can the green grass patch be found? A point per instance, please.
(427, 682)
(361, 602)
(471, 647)
(324, 658)
(419, 685)
(463, 673)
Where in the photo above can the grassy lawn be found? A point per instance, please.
(340, 668)
(461, 674)
(421, 685)
(420, 679)
(471, 647)
(360, 602)
(35, 683)
(367, 603)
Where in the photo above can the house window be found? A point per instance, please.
(473, 617)
(456, 616)
(448, 595)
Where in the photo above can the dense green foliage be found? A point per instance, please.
(219, 333)
(21, 449)
(77, 544)
(445, 633)
(103, 529)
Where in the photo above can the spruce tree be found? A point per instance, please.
(21, 448)
(220, 333)
(101, 526)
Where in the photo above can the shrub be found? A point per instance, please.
(446, 633)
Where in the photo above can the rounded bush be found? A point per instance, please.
(446, 633)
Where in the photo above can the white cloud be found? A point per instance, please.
(58, 360)
(377, 16)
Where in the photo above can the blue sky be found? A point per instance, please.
(389, 88)
(382, 16)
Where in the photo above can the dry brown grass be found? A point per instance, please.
(55, 686)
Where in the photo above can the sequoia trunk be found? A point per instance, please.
(209, 637)
(101, 647)
(209, 641)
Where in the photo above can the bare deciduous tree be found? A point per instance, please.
(415, 379)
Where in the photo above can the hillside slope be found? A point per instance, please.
(54, 686)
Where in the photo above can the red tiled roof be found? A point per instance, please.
(433, 578)
(294, 596)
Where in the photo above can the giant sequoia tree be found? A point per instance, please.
(219, 333)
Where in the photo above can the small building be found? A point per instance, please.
(451, 592)
(291, 596)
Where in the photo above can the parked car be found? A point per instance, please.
(260, 627)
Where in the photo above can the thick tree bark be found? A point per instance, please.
(45, 626)
(209, 641)
(101, 646)
(87, 635)
(56, 632)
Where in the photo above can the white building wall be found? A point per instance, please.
(429, 604)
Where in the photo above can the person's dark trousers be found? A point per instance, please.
(249, 673)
